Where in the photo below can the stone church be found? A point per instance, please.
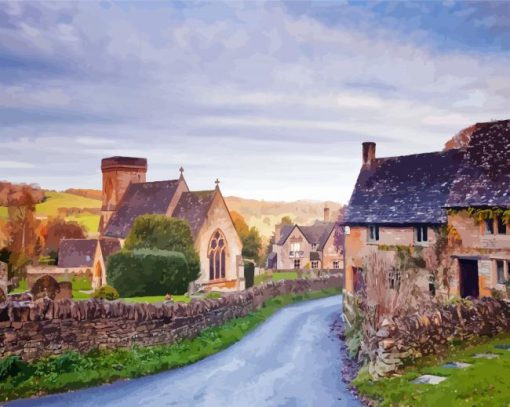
(127, 195)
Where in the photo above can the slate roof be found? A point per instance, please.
(140, 199)
(193, 207)
(484, 176)
(405, 189)
(109, 247)
(318, 233)
(76, 252)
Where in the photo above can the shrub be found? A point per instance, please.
(163, 233)
(146, 272)
(106, 292)
(12, 366)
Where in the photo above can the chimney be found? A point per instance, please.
(368, 153)
(277, 232)
(326, 214)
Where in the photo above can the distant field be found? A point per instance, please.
(56, 200)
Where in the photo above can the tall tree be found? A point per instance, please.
(252, 245)
(286, 220)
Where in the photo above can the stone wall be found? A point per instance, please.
(45, 327)
(433, 332)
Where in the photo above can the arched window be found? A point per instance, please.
(217, 256)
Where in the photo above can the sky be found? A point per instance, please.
(274, 99)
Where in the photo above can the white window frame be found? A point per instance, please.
(297, 264)
(336, 265)
(376, 235)
(419, 235)
(315, 264)
(295, 247)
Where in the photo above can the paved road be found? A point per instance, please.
(290, 360)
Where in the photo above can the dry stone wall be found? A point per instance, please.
(418, 335)
(34, 329)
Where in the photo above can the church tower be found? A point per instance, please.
(118, 173)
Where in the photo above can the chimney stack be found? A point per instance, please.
(326, 214)
(368, 153)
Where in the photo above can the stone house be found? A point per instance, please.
(127, 195)
(306, 247)
(413, 201)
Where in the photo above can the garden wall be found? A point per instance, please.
(432, 332)
(45, 327)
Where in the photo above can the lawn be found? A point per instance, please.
(73, 371)
(284, 275)
(484, 383)
(157, 298)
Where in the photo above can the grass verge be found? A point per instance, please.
(73, 371)
(484, 383)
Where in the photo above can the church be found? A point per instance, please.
(127, 195)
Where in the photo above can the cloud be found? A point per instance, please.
(275, 99)
(14, 165)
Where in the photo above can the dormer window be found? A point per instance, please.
(314, 246)
(421, 234)
(373, 233)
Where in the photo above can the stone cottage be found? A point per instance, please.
(127, 195)
(411, 201)
(306, 247)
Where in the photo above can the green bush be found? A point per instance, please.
(144, 272)
(163, 233)
(12, 366)
(106, 292)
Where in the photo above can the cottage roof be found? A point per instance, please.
(140, 199)
(76, 252)
(193, 207)
(318, 233)
(484, 176)
(404, 189)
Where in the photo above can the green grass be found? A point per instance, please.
(284, 275)
(56, 200)
(73, 371)
(485, 383)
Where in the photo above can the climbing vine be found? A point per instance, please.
(481, 214)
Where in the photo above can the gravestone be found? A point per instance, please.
(3, 281)
(45, 286)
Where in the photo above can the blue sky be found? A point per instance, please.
(272, 98)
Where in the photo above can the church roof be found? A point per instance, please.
(484, 176)
(193, 207)
(140, 199)
(109, 247)
(405, 189)
(76, 252)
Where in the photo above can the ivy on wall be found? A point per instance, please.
(482, 214)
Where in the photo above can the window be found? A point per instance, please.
(500, 271)
(489, 226)
(394, 279)
(336, 265)
(314, 246)
(295, 247)
(432, 285)
(373, 233)
(217, 256)
(501, 226)
(421, 234)
(315, 264)
(297, 264)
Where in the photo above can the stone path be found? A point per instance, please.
(293, 359)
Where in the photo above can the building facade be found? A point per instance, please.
(457, 199)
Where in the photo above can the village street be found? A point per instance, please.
(291, 360)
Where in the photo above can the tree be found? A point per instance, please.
(143, 272)
(240, 224)
(163, 233)
(56, 229)
(252, 245)
(286, 220)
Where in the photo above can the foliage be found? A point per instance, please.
(240, 224)
(286, 220)
(496, 294)
(481, 384)
(163, 233)
(480, 214)
(52, 231)
(106, 292)
(73, 371)
(252, 245)
(145, 272)
(213, 295)
(12, 366)
(157, 298)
